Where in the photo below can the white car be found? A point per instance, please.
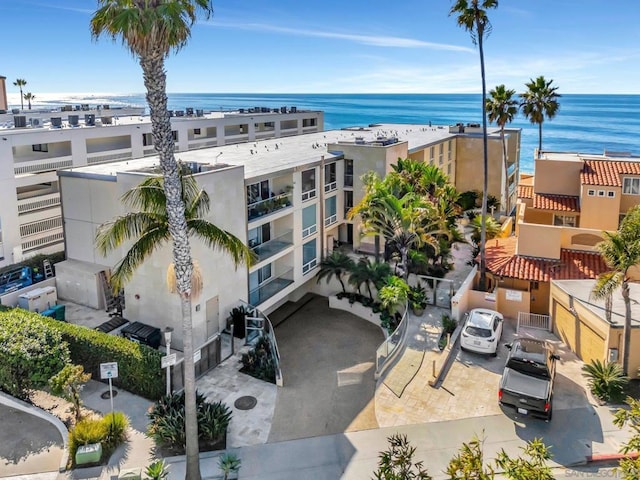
(482, 331)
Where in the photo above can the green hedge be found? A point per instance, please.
(139, 369)
(36, 261)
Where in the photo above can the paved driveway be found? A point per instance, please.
(328, 364)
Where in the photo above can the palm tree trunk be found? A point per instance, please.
(369, 289)
(344, 290)
(506, 172)
(21, 99)
(485, 164)
(155, 83)
(404, 254)
(626, 348)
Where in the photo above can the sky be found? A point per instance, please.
(334, 46)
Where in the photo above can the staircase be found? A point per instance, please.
(114, 304)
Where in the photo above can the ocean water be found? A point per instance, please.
(584, 123)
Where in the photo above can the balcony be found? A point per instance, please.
(276, 245)
(26, 205)
(269, 206)
(44, 165)
(109, 156)
(270, 288)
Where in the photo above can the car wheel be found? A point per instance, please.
(495, 354)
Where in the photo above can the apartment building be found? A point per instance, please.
(34, 144)
(287, 198)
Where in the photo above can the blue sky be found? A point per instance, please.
(331, 46)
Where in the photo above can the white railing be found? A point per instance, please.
(40, 226)
(26, 205)
(533, 320)
(204, 143)
(331, 220)
(44, 165)
(309, 266)
(387, 351)
(36, 243)
(330, 187)
(308, 195)
(101, 157)
(309, 231)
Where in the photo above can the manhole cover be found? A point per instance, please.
(106, 395)
(245, 403)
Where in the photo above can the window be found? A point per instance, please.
(147, 139)
(196, 131)
(449, 169)
(330, 213)
(309, 256)
(308, 184)
(348, 202)
(258, 236)
(348, 173)
(330, 183)
(257, 192)
(431, 153)
(564, 220)
(40, 147)
(611, 194)
(591, 192)
(174, 134)
(631, 186)
(601, 193)
(309, 221)
(449, 150)
(259, 277)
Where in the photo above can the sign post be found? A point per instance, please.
(109, 371)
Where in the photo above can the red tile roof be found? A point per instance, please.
(606, 172)
(525, 191)
(559, 203)
(572, 265)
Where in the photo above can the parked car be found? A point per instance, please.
(527, 380)
(482, 331)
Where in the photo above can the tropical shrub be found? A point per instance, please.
(85, 432)
(68, 383)
(469, 199)
(31, 352)
(606, 380)
(116, 425)
(417, 297)
(448, 327)
(167, 426)
(157, 470)
(396, 463)
(258, 362)
(228, 463)
(394, 293)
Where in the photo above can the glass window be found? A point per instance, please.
(611, 193)
(147, 139)
(330, 177)
(348, 173)
(591, 192)
(309, 256)
(257, 192)
(631, 186)
(431, 153)
(259, 235)
(308, 184)
(330, 211)
(348, 201)
(309, 221)
(564, 220)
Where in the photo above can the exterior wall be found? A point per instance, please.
(510, 308)
(469, 170)
(627, 201)
(561, 177)
(600, 212)
(542, 217)
(539, 240)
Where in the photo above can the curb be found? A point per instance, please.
(612, 457)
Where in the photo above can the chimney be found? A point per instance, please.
(3, 94)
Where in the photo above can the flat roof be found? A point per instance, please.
(266, 157)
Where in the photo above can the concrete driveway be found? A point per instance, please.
(328, 365)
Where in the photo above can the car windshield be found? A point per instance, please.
(478, 332)
(528, 367)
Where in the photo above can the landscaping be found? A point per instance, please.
(259, 361)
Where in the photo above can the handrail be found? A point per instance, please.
(269, 332)
(388, 350)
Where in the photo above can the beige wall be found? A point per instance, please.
(539, 240)
(628, 201)
(561, 177)
(599, 212)
(543, 217)
(3, 94)
(469, 171)
(510, 308)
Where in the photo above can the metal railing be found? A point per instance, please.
(253, 311)
(109, 156)
(387, 351)
(273, 246)
(44, 165)
(206, 357)
(269, 205)
(33, 228)
(26, 205)
(533, 320)
(269, 288)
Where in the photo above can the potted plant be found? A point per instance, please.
(417, 299)
(238, 315)
(229, 464)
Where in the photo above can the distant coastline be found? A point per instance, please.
(585, 123)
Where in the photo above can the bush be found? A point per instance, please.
(110, 431)
(116, 425)
(31, 352)
(448, 327)
(36, 262)
(469, 199)
(258, 362)
(167, 423)
(605, 380)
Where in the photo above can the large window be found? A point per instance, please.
(330, 211)
(258, 236)
(309, 221)
(348, 173)
(348, 202)
(259, 277)
(309, 256)
(564, 220)
(147, 139)
(631, 186)
(330, 182)
(308, 184)
(257, 192)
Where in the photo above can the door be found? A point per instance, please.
(212, 314)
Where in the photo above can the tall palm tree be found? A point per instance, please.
(336, 264)
(472, 16)
(621, 252)
(20, 82)
(151, 30)
(540, 101)
(28, 97)
(502, 107)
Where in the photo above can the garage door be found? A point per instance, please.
(583, 340)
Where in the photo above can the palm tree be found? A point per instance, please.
(337, 264)
(621, 252)
(28, 97)
(151, 30)
(540, 101)
(501, 109)
(20, 82)
(472, 16)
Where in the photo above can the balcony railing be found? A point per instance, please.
(53, 238)
(268, 206)
(109, 156)
(50, 200)
(35, 228)
(273, 246)
(271, 287)
(44, 165)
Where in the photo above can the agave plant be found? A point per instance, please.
(605, 380)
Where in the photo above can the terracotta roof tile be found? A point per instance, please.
(499, 251)
(559, 203)
(525, 191)
(606, 172)
(572, 265)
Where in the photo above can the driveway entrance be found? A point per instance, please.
(328, 365)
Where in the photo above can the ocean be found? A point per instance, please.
(584, 123)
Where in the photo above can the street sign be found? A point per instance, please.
(108, 370)
(168, 360)
(197, 356)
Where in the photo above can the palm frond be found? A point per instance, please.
(219, 239)
(113, 234)
(606, 284)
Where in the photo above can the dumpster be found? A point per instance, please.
(91, 453)
(142, 333)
